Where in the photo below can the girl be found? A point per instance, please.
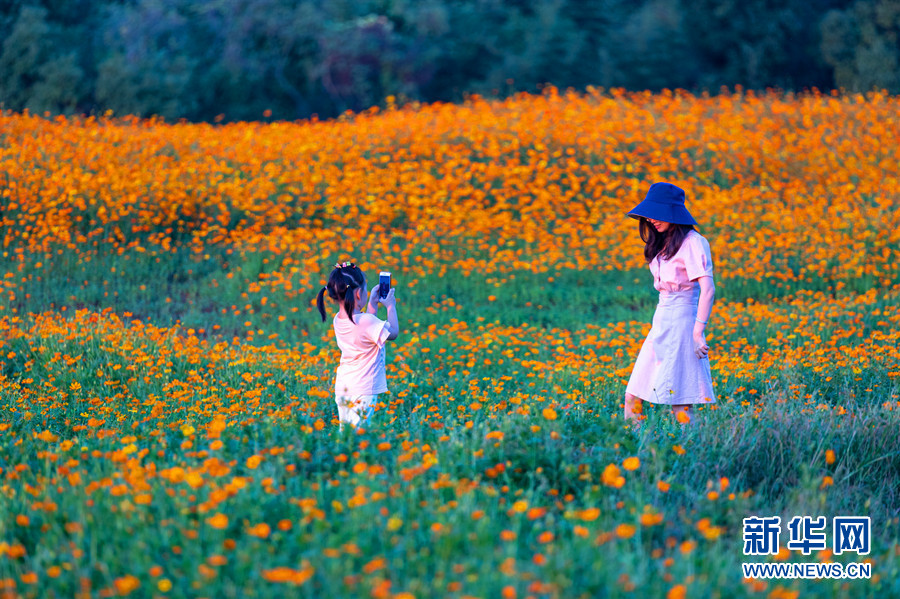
(360, 336)
(673, 365)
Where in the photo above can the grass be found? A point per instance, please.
(168, 423)
(469, 460)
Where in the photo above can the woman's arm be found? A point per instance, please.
(707, 296)
(704, 309)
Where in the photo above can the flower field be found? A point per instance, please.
(166, 399)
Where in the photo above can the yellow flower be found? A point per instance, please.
(394, 523)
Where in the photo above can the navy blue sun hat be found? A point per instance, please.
(664, 202)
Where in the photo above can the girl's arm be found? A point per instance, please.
(704, 309)
(390, 303)
(372, 306)
(393, 322)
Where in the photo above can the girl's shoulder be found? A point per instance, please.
(365, 317)
(361, 319)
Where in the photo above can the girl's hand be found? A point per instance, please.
(701, 349)
(373, 300)
(390, 301)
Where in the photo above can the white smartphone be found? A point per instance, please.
(384, 283)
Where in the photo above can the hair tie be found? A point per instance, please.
(344, 265)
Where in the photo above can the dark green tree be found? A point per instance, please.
(34, 75)
(653, 49)
(862, 44)
(758, 43)
(288, 59)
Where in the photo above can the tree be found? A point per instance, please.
(33, 74)
(862, 44)
(149, 62)
(758, 43)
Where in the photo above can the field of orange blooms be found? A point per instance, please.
(166, 404)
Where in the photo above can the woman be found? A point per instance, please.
(673, 365)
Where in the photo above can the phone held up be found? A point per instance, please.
(384, 283)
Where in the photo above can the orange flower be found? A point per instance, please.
(679, 591)
(612, 476)
(589, 514)
(651, 519)
(289, 575)
(261, 530)
(127, 584)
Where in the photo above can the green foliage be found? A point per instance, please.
(862, 44)
(44, 56)
(256, 59)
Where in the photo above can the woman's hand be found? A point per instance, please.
(701, 349)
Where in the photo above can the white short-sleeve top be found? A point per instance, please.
(361, 371)
(680, 272)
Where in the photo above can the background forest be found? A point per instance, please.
(281, 59)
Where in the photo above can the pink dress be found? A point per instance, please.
(666, 370)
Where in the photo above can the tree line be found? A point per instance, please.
(254, 59)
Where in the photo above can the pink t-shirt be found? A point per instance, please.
(361, 371)
(680, 272)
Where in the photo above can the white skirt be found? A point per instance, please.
(667, 371)
(355, 409)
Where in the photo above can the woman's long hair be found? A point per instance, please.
(343, 282)
(665, 245)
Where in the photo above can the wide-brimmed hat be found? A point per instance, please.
(664, 202)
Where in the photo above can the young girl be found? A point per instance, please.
(673, 365)
(360, 336)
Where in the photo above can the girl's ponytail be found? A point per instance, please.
(343, 282)
(320, 302)
(350, 300)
